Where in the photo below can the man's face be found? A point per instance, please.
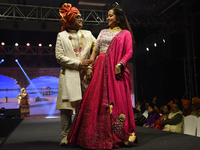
(197, 105)
(175, 108)
(186, 106)
(78, 23)
(147, 105)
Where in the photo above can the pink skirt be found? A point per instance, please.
(94, 127)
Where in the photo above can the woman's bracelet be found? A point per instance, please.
(88, 67)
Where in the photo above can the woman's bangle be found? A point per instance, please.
(120, 65)
(89, 67)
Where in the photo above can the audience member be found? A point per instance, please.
(138, 106)
(186, 107)
(156, 108)
(174, 100)
(158, 123)
(174, 121)
(152, 117)
(146, 107)
(196, 103)
(154, 100)
(139, 117)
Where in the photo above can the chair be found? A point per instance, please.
(190, 125)
(198, 126)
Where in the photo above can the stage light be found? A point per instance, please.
(163, 40)
(2, 110)
(50, 45)
(52, 117)
(28, 44)
(40, 45)
(28, 78)
(16, 44)
(147, 49)
(2, 60)
(155, 45)
(2, 43)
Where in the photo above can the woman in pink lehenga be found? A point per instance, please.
(105, 118)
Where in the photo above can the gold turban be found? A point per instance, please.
(195, 100)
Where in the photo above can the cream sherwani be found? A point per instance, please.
(72, 78)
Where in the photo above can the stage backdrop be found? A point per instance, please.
(41, 85)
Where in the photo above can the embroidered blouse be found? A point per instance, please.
(105, 37)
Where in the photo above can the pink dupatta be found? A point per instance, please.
(116, 92)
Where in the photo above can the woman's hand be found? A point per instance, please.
(86, 62)
(118, 71)
(89, 74)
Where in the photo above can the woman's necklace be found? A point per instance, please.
(77, 51)
(115, 29)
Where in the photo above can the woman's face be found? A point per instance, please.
(150, 109)
(112, 21)
(156, 108)
(165, 110)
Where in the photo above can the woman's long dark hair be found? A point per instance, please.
(122, 21)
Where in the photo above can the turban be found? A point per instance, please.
(186, 101)
(170, 103)
(195, 100)
(67, 14)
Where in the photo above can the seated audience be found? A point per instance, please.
(138, 117)
(152, 117)
(174, 121)
(156, 108)
(154, 100)
(146, 107)
(196, 103)
(174, 100)
(158, 123)
(186, 107)
(138, 106)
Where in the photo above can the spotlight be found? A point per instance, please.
(50, 45)
(155, 45)
(163, 40)
(2, 60)
(2, 43)
(147, 49)
(16, 60)
(16, 44)
(28, 44)
(40, 45)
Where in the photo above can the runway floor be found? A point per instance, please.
(45, 134)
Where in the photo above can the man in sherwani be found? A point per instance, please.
(72, 52)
